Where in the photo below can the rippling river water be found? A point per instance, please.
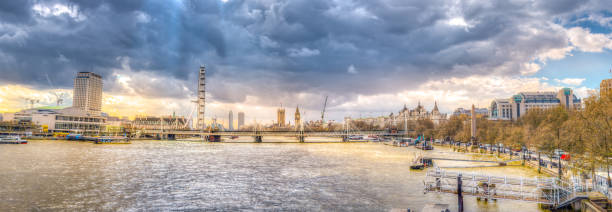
(175, 175)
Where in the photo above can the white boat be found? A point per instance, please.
(7, 139)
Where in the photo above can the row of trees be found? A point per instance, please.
(583, 133)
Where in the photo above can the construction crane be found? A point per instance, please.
(59, 96)
(323, 112)
(31, 102)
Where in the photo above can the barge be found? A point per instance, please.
(111, 140)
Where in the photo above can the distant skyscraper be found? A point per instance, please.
(298, 119)
(88, 92)
(231, 120)
(240, 120)
(280, 116)
(201, 98)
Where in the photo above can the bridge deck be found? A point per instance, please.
(273, 133)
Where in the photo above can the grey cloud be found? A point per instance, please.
(275, 49)
(15, 11)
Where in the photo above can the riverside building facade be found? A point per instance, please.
(605, 87)
(406, 114)
(69, 120)
(519, 104)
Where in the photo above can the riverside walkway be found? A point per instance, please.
(481, 161)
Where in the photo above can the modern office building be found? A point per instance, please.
(231, 120)
(519, 104)
(605, 87)
(240, 120)
(280, 116)
(88, 92)
(501, 109)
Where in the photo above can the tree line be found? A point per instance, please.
(583, 133)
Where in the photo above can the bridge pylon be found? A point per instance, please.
(258, 137)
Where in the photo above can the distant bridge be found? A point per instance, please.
(258, 135)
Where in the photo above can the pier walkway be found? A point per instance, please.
(548, 191)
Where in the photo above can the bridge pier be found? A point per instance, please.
(258, 139)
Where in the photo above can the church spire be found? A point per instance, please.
(435, 106)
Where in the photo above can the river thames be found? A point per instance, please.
(181, 175)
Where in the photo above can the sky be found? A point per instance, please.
(369, 56)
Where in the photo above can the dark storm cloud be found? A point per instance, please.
(274, 49)
(15, 11)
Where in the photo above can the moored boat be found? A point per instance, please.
(421, 163)
(111, 140)
(12, 140)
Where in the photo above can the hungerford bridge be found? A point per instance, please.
(258, 135)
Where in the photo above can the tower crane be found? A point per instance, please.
(323, 112)
(31, 102)
(59, 96)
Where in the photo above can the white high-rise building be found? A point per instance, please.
(231, 120)
(88, 92)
